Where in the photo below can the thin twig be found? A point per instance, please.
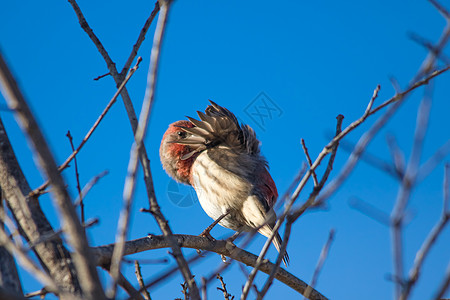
(370, 210)
(443, 287)
(146, 261)
(429, 46)
(371, 159)
(226, 295)
(433, 161)
(312, 197)
(56, 234)
(129, 288)
(140, 39)
(429, 241)
(442, 10)
(308, 158)
(77, 176)
(39, 190)
(158, 279)
(397, 156)
(185, 291)
(404, 193)
(101, 76)
(204, 289)
(322, 258)
(137, 271)
(89, 186)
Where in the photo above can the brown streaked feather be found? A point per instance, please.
(219, 126)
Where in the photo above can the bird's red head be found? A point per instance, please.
(171, 153)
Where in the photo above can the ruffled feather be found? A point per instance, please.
(219, 127)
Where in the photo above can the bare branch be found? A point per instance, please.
(322, 258)
(140, 39)
(129, 288)
(430, 61)
(77, 176)
(89, 280)
(91, 131)
(370, 211)
(429, 46)
(104, 254)
(9, 277)
(412, 87)
(54, 235)
(184, 290)
(397, 156)
(226, 296)
(371, 159)
(433, 161)
(444, 12)
(26, 262)
(308, 158)
(429, 241)
(89, 186)
(446, 189)
(443, 287)
(133, 164)
(406, 186)
(357, 152)
(31, 220)
(154, 207)
(203, 289)
(101, 76)
(137, 271)
(312, 197)
(158, 279)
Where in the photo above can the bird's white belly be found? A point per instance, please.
(219, 190)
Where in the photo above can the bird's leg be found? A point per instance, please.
(206, 232)
(231, 240)
(234, 236)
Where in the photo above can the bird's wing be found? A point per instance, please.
(268, 188)
(218, 126)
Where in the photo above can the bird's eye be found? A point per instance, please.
(181, 134)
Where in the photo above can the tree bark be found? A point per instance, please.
(9, 277)
(32, 222)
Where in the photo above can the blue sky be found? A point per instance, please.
(314, 60)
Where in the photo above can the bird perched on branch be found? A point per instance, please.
(221, 159)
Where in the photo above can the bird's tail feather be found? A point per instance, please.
(267, 231)
(277, 243)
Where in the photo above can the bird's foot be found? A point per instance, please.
(206, 232)
(233, 237)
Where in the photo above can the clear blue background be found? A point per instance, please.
(315, 59)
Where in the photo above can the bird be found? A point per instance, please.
(221, 159)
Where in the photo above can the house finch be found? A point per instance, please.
(221, 159)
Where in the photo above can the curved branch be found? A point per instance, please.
(104, 254)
